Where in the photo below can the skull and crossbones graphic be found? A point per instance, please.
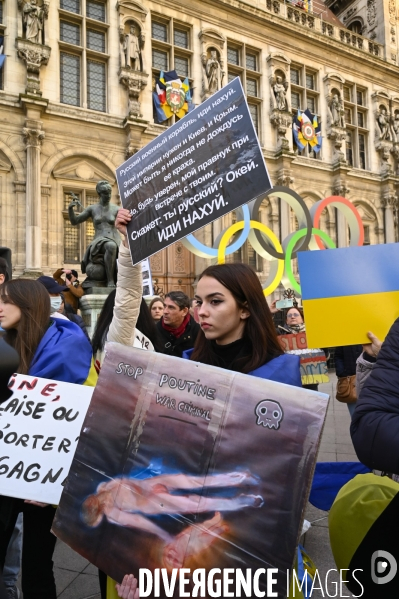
(269, 414)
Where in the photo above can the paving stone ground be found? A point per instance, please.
(76, 578)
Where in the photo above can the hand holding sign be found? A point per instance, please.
(123, 218)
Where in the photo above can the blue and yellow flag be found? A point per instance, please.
(347, 292)
(64, 354)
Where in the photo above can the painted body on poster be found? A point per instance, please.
(184, 465)
(39, 430)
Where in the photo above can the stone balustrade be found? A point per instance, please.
(312, 21)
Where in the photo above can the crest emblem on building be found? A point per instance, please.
(171, 96)
(175, 95)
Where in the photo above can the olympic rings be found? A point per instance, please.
(266, 243)
(202, 251)
(350, 213)
(301, 212)
(277, 267)
(291, 281)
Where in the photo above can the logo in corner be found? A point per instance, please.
(269, 414)
(380, 572)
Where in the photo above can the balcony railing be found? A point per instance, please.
(290, 9)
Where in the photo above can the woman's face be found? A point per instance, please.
(294, 317)
(157, 310)
(10, 314)
(219, 316)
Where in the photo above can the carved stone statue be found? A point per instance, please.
(279, 88)
(395, 127)
(336, 111)
(213, 72)
(132, 50)
(99, 261)
(33, 18)
(383, 124)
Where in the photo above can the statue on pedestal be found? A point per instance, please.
(213, 72)
(279, 88)
(99, 261)
(336, 107)
(33, 17)
(383, 124)
(130, 50)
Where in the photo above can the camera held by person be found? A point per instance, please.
(75, 289)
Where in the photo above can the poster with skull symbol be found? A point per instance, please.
(181, 464)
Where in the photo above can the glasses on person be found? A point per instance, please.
(293, 315)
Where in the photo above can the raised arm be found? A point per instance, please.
(129, 289)
(76, 219)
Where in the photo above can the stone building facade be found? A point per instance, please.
(76, 101)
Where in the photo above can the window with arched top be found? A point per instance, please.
(356, 27)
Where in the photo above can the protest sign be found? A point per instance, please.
(313, 361)
(347, 292)
(148, 289)
(201, 168)
(182, 464)
(39, 430)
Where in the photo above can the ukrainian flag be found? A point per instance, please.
(347, 292)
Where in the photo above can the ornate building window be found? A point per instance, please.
(83, 58)
(355, 111)
(243, 62)
(70, 5)
(305, 94)
(76, 239)
(171, 47)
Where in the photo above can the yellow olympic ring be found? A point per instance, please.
(277, 267)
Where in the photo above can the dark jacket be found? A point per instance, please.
(375, 422)
(175, 347)
(345, 359)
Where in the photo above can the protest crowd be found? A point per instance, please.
(228, 324)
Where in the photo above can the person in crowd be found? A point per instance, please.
(12, 564)
(3, 271)
(375, 421)
(74, 289)
(177, 327)
(54, 290)
(366, 361)
(9, 361)
(294, 324)
(144, 335)
(51, 348)
(3, 276)
(345, 366)
(66, 310)
(237, 330)
(126, 319)
(156, 308)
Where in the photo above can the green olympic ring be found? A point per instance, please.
(289, 275)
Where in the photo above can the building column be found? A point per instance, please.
(389, 201)
(33, 138)
(342, 240)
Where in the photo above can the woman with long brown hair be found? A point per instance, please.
(55, 349)
(237, 326)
